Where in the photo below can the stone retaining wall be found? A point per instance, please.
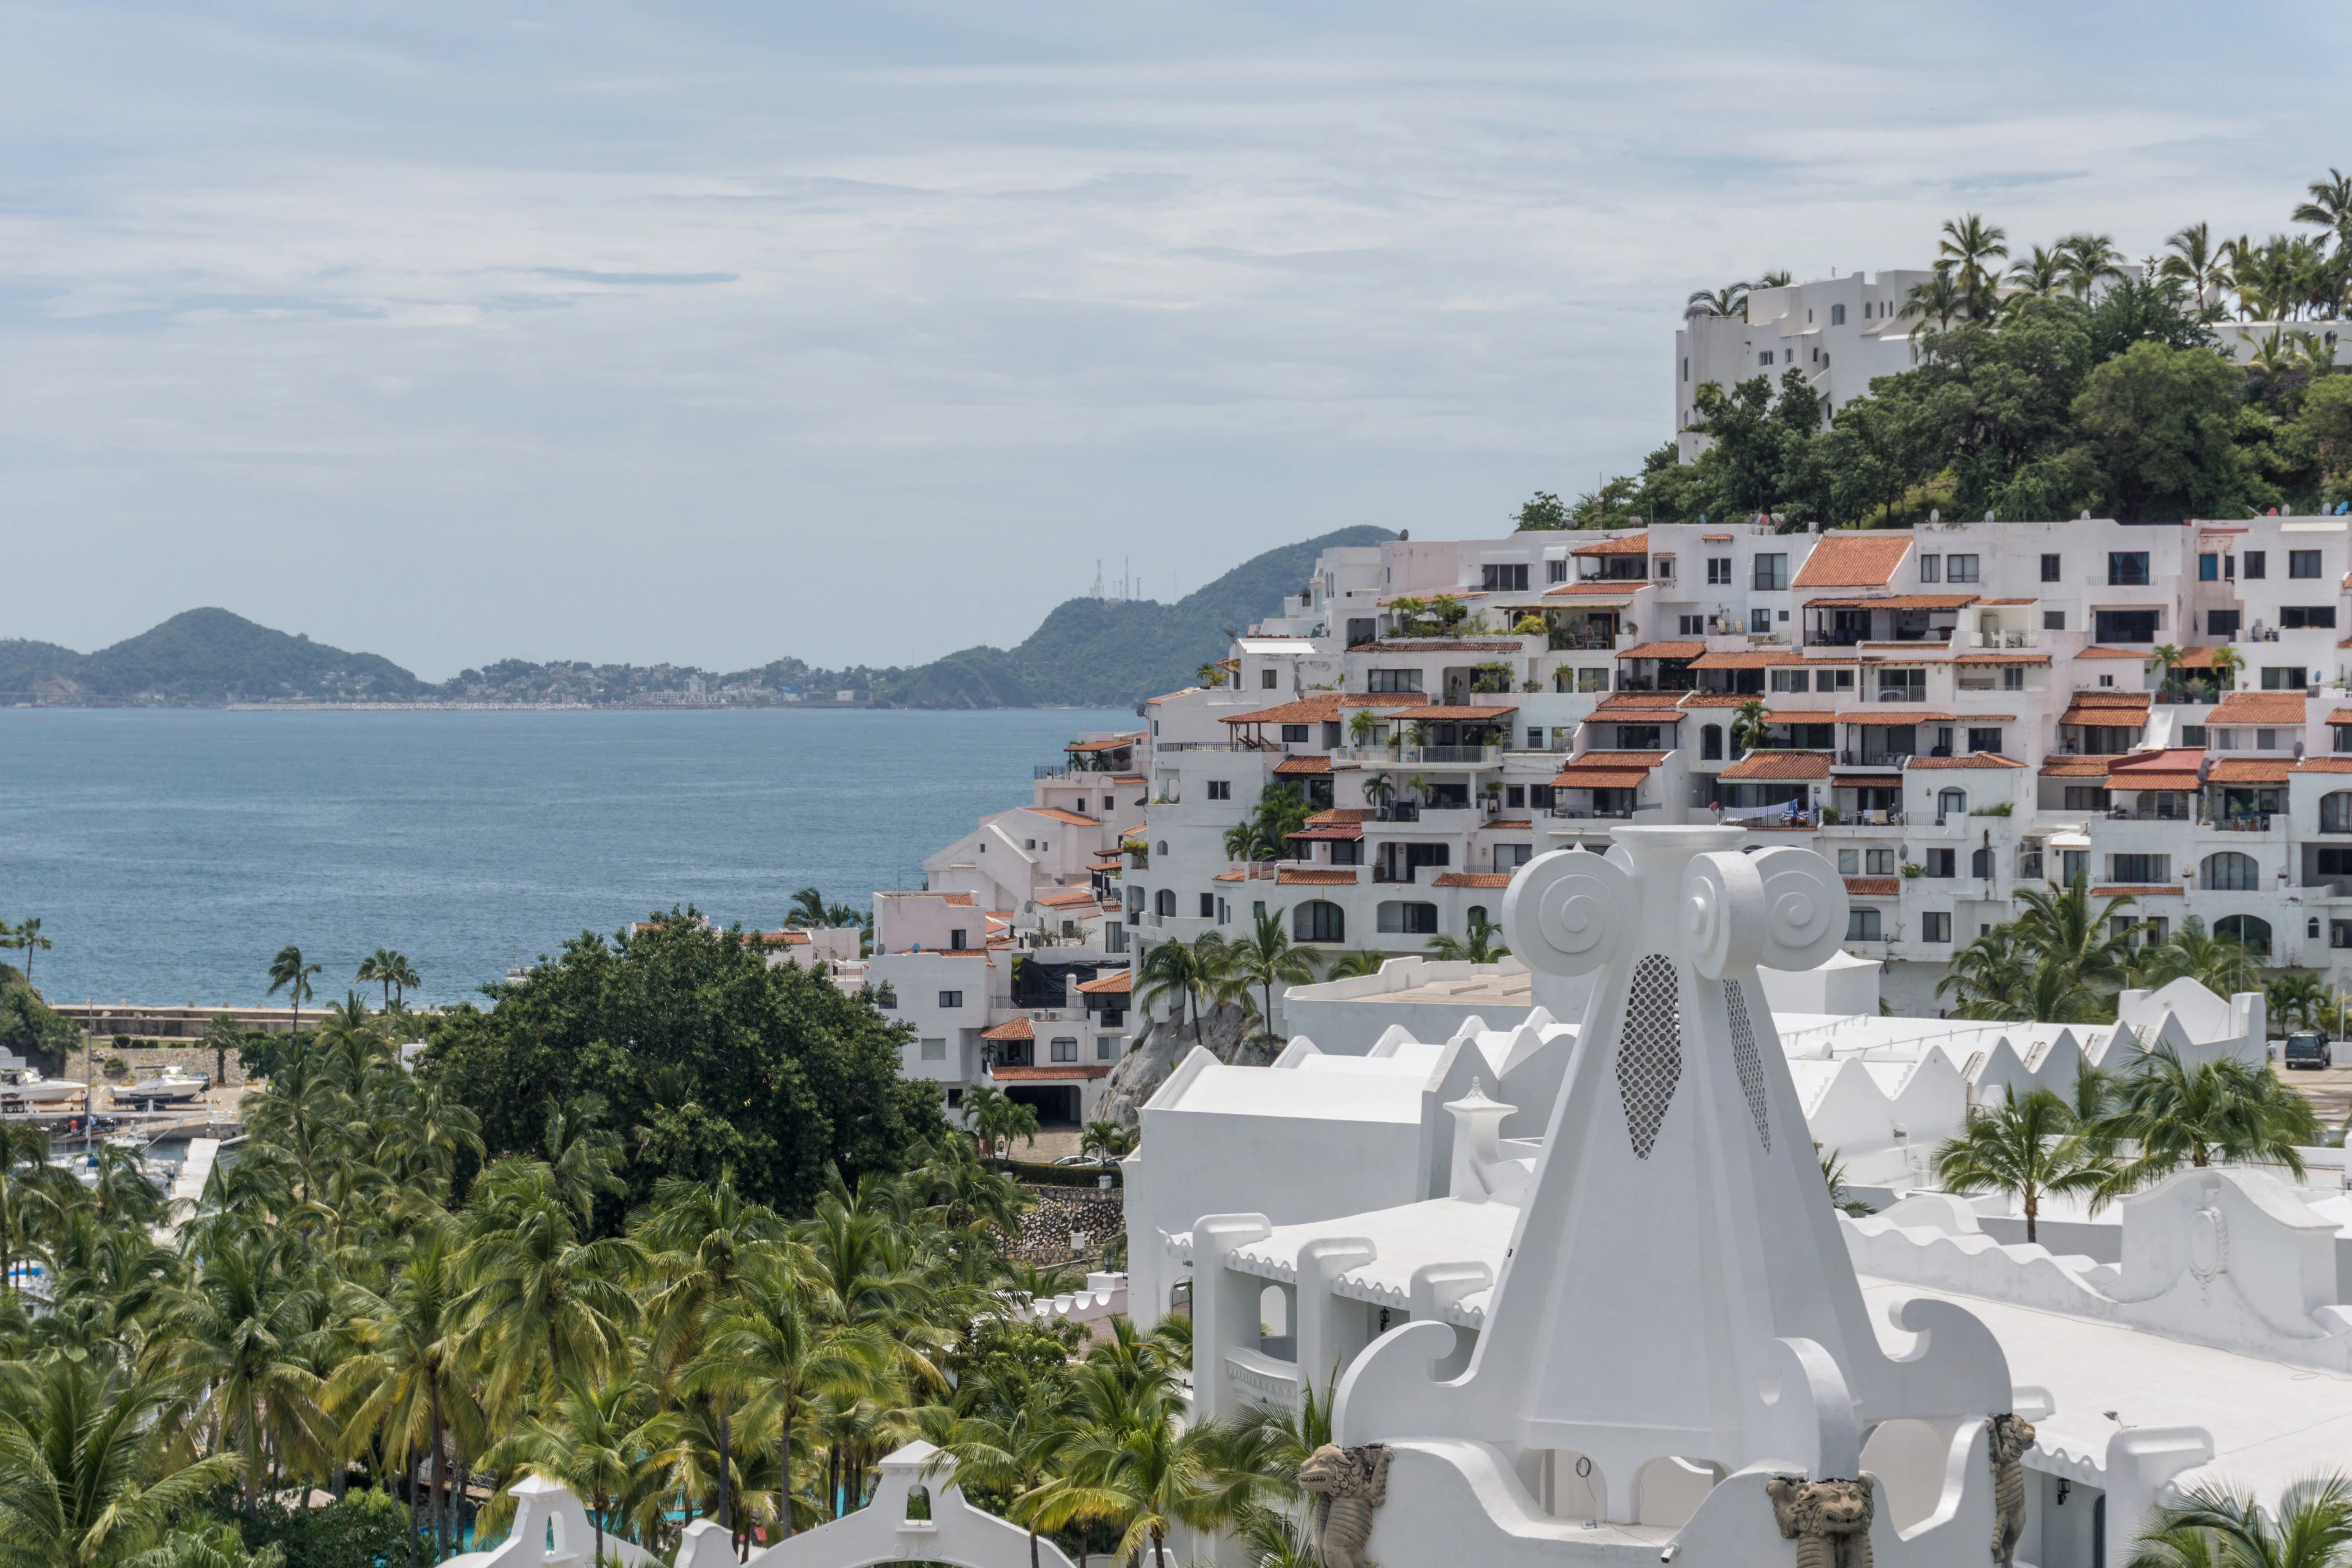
(1046, 1225)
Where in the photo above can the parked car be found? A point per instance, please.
(2308, 1049)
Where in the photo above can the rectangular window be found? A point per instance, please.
(1362, 629)
(1771, 573)
(2283, 678)
(2193, 734)
(2254, 562)
(1880, 862)
(2074, 863)
(1510, 858)
(1931, 568)
(1662, 568)
(1391, 681)
(1834, 680)
(1935, 925)
(2127, 568)
(1718, 569)
(1542, 797)
(2158, 931)
(2127, 625)
(1849, 862)
(1791, 680)
(2049, 569)
(1066, 1049)
(1861, 923)
(1268, 680)
(1759, 622)
(2267, 740)
(1505, 577)
(1984, 740)
(1295, 734)
(2013, 678)
(1556, 570)
(934, 1050)
(2209, 567)
(1516, 795)
(2222, 622)
(2303, 562)
(2053, 620)
(2222, 739)
(1691, 625)
(1764, 358)
(1902, 686)
(1106, 1045)
(1960, 569)
(1208, 906)
(1637, 737)
(1837, 315)
(1221, 789)
(1592, 680)
(950, 1000)
(2296, 617)
(1940, 862)
(2085, 797)
(2146, 870)
(1535, 739)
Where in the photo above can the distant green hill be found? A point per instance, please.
(1087, 653)
(1108, 652)
(200, 656)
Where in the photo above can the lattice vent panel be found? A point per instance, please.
(1650, 1056)
(1744, 1057)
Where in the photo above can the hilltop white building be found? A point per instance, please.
(1841, 331)
(1952, 713)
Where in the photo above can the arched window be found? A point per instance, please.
(1475, 917)
(2252, 930)
(1980, 863)
(1951, 803)
(2230, 872)
(2335, 812)
(1710, 743)
(1164, 902)
(1318, 921)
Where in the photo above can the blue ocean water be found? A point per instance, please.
(170, 853)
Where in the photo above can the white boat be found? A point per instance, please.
(25, 1085)
(173, 1086)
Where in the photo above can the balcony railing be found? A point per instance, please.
(2242, 822)
(1195, 746)
(1863, 757)
(1584, 816)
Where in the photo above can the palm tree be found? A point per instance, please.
(2222, 964)
(2314, 354)
(90, 1474)
(2223, 1110)
(542, 1304)
(1479, 947)
(2194, 263)
(1749, 724)
(1731, 300)
(236, 1328)
(590, 1440)
(2212, 1527)
(2293, 997)
(2330, 205)
(1940, 297)
(1107, 1140)
(2226, 664)
(1362, 961)
(1968, 243)
(1262, 960)
(222, 1035)
(1378, 790)
(1362, 725)
(1183, 971)
(2090, 259)
(24, 1164)
(2063, 927)
(2163, 662)
(1013, 1447)
(2030, 1147)
(287, 973)
(1133, 1468)
(2040, 274)
(25, 937)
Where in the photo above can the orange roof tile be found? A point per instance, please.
(2001, 659)
(1324, 707)
(1471, 880)
(1303, 767)
(1071, 818)
(1450, 644)
(2138, 890)
(1874, 886)
(2325, 765)
(1664, 650)
(1753, 658)
(1623, 589)
(1653, 705)
(1626, 544)
(1105, 985)
(2095, 651)
(2340, 716)
(1314, 877)
(1892, 714)
(1012, 1029)
(1063, 1072)
(2250, 771)
(1783, 766)
(1848, 560)
(1973, 760)
(2258, 708)
(2074, 767)
(1338, 814)
(1065, 898)
(1897, 602)
(1112, 744)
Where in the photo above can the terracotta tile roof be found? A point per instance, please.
(1620, 590)
(2001, 659)
(1323, 707)
(2325, 765)
(1608, 770)
(1471, 880)
(1654, 705)
(1303, 767)
(1778, 765)
(1337, 833)
(1229, 876)
(1627, 544)
(2138, 890)
(1664, 650)
(2258, 708)
(2198, 657)
(1449, 644)
(1056, 814)
(2095, 651)
(1502, 822)
(1171, 695)
(1897, 602)
(2009, 601)
(2075, 767)
(781, 938)
(1617, 759)
(2340, 716)
(2250, 771)
(1065, 898)
(1113, 744)
(1892, 713)
(1854, 560)
(1436, 593)
(2103, 698)
(1717, 538)
(1063, 1072)
(1105, 864)
(1315, 877)
(1973, 760)
(2172, 759)
(1015, 1029)
(1874, 886)
(2154, 778)
(2104, 715)
(1340, 815)
(1440, 713)
(965, 897)
(1718, 698)
(1753, 658)
(1105, 984)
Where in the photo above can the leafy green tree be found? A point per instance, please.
(2220, 964)
(2027, 1148)
(25, 938)
(222, 1035)
(1479, 945)
(1265, 959)
(287, 973)
(2210, 1526)
(1361, 960)
(236, 1330)
(2223, 1111)
(1540, 513)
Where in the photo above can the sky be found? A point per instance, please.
(862, 332)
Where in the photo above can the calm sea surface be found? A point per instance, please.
(169, 853)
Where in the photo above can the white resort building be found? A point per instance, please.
(1950, 714)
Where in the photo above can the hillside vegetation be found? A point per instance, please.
(1089, 653)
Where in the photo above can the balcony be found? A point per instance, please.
(1574, 813)
(2243, 822)
(1865, 757)
(1195, 746)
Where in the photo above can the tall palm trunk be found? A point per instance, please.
(726, 1515)
(439, 1513)
(784, 1476)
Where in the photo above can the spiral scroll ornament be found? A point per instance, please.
(1566, 912)
(1804, 907)
(1723, 913)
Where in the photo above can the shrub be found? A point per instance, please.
(365, 1530)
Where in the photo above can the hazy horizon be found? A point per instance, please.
(861, 334)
